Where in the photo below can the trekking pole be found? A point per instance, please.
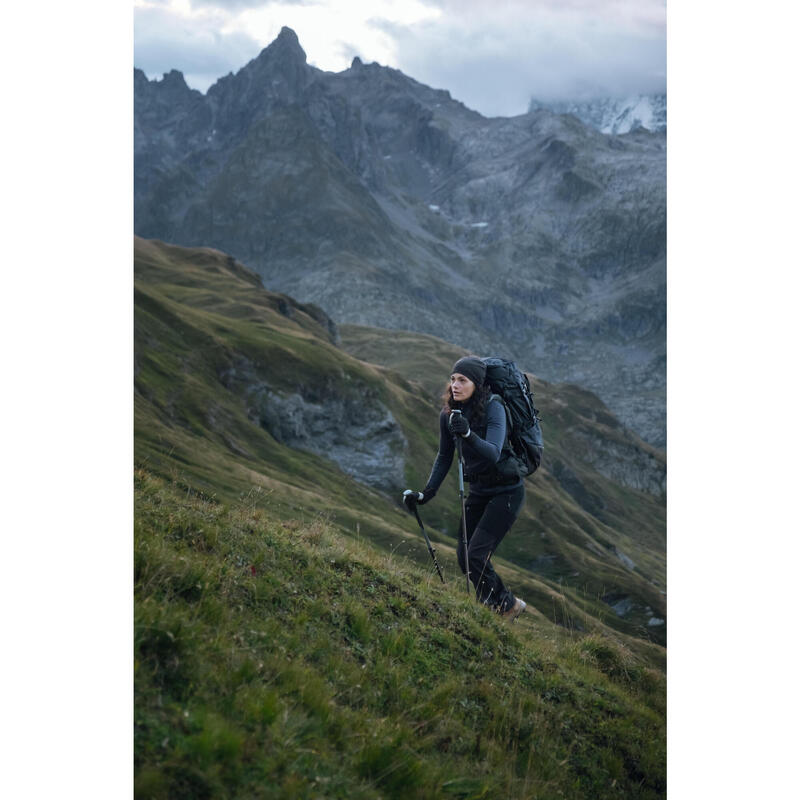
(431, 549)
(463, 506)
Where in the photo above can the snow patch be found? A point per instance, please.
(614, 115)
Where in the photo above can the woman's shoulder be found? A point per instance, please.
(495, 404)
(495, 409)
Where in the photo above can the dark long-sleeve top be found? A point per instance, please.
(479, 454)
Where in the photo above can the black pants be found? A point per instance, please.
(488, 519)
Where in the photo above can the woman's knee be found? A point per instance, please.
(478, 561)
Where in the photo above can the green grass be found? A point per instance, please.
(275, 658)
(553, 523)
(205, 330)
(292, 638)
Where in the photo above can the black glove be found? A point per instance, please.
(458, 425)
(412, 498)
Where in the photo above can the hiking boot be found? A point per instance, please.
(515, 610)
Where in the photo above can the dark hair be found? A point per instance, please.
(474, 409)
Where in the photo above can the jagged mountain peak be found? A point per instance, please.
(280, 72)
(283, 57)
(171, 90)
(174, 78)
(285, 46)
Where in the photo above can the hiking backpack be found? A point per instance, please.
(505, 379)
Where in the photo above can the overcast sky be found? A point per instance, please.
(493, 55)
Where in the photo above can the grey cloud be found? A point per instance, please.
(637, 11)
(164, 42)
(239, 5)
(492, 56)
(348, 51)
(496, 67)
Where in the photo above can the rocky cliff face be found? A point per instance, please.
(624, 462)
(349, 426)
(359, 434)
(388, 203)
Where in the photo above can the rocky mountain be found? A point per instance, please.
(388, 203)
(614, 115)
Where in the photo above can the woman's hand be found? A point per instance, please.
(458, 425)
(412, 498)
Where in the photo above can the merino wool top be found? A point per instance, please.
(479, 454)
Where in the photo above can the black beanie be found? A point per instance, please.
(472, 367)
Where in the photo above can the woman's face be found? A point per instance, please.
(461, 387)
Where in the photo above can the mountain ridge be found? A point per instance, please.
(534, 236)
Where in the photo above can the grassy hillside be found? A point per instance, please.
(282, 659)
(292, 639)
(576, 518)
(206, 332)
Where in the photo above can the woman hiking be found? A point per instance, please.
(496, 493)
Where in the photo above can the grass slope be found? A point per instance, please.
(570, 535)
(201, 317)
(291, 637)
(277, 659)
